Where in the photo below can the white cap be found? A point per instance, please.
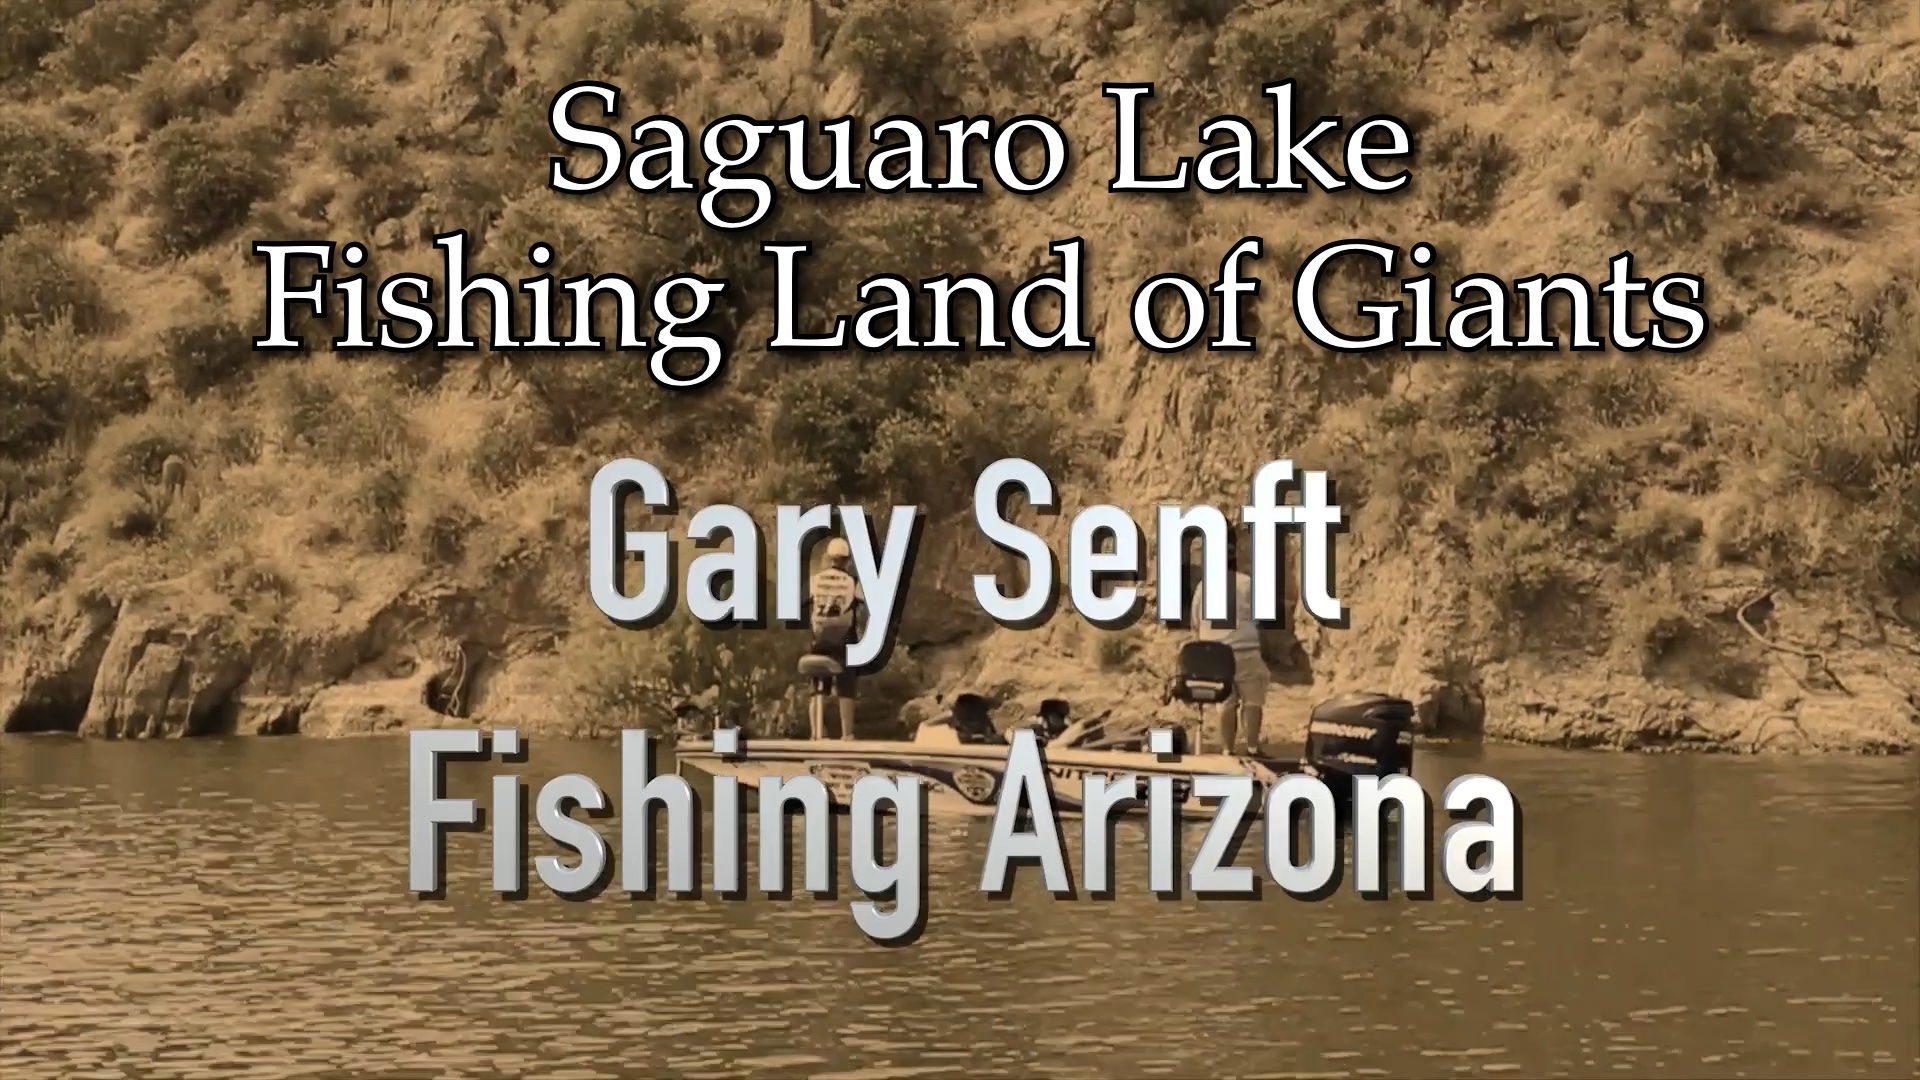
(838, 548)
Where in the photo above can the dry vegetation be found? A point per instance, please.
(1768, 146)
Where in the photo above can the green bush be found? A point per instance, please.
(36, 404)
(930, 452)
(384, 194)
(832, 413)
(305, 37)
(1662, 529)
(48, 173)
(165, 92)
(338, 413)
(621, 679)
(1518, 564)
(1465, 172)
(594, 39)
(127, 454)
(892, 44)
(37, 569)
(29, 30)
(43, 284)
(1507, 403)
(1625, 391)
(321, 96)
(1712, 104)
(380, 501)
(207, 353)
(113, 39)
(204, 184)
(359, 150)
(1284, 42)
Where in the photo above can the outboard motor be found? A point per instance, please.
(1361, 734)
(1203, 673)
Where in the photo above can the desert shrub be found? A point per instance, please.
(1651, 626)
(1849, 434)
(1669, 201)
(29, 30)
(1465, 171)
(1289, 41)
(1713, 105)
(36, 404)
(1507, 404)
(1661, 529)
(747, 35)
(48, 173)
(1884, 363)
(126, 516)
(385, 193)
(520, 132)
(1518, 564)
(207, 353)
(1625, 391)
(831, 413)
(379, 502)
(891, 44)
(359, 150)
(98, 378)
(43, 283)
(322, 96)
(507, 452)
(37, 569)
(914, 239)
(1513, 21)
(339, 414)
(1892, 523)
(204, 183)
(466, 195)
(1576, 487)
(112, 39)
(978, 414)
(441, 522)
(1198, 12)
(594, 39)
(201, 83)
(127, 454)
(621, 679)
(305, 37)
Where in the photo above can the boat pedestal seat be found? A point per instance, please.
(816, 666)
(1203, 673)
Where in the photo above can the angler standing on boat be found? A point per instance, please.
(1240, 714)
(837, 614)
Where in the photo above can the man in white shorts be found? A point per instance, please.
(1239, 715)
(836, 610)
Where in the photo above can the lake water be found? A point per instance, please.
(239, 908)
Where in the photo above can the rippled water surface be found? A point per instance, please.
(232, 909)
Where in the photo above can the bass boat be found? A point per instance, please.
(962, 761)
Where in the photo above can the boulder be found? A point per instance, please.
(165, 675)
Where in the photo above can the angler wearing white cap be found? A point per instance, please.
(837, 614)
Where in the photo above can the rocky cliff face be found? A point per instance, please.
(1573, 551)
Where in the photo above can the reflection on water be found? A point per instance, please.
(238, 908)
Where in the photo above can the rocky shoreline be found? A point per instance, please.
(163, 663)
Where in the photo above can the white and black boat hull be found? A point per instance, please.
(967, 779)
